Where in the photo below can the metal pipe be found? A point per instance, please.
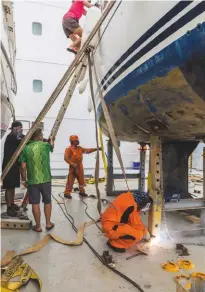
(109, 181)
(10, 66)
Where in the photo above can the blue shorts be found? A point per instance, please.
(35, 192)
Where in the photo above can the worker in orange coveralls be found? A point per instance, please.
(121, 221)
(74, 157)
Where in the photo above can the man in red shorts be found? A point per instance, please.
(71, 26)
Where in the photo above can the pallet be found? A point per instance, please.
(192, 218)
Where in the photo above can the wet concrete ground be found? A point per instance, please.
(63, 268)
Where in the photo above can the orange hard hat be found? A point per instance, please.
(74, 138)
(143, 148)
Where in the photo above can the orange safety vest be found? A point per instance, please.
(74, 155)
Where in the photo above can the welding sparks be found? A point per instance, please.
(154, 240)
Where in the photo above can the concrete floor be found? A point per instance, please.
(62, 268)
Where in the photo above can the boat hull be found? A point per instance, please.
(156, 86)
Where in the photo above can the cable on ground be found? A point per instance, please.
(71, 220)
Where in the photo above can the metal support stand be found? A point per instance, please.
(110, 174)
(156, 190)
(202, 216)
(16, 223)
(155, 214)
(110, 182)
(142, 167)
(19, 222)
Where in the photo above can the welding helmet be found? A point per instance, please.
(143, 200)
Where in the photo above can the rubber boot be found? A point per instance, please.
(67, 196)
(83, 195)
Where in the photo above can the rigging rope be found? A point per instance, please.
(109, 124)
(67, 98)
(99, 206)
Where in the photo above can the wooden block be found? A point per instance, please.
(194, 219)
(15, 224)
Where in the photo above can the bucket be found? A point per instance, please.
(136, 165)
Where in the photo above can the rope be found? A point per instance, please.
(99, 206)
(110, 126)
(67, 98)
(57, 90)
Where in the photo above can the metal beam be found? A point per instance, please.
(185, 204)
(156, 192)
(142, 167)
(118, 192)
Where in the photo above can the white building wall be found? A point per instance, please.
(197, 160)
(45, 58)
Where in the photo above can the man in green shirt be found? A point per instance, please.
(36, 176)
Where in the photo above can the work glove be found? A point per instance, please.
(147, 236)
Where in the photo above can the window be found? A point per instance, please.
(37, 86)
(37, 28)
